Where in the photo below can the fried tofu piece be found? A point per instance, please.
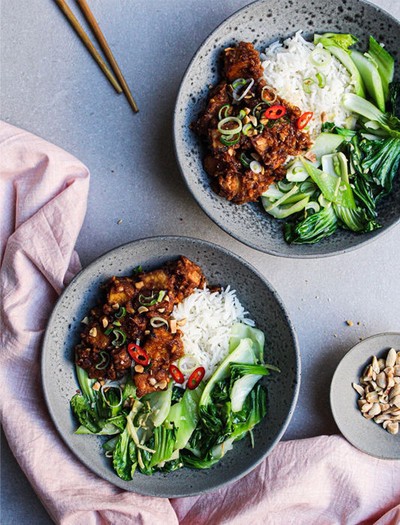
(163, 347)
(242, 61)
(155, 280)
(120, 290)
(188, 277)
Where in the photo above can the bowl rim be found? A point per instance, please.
(367, 237)
(297, 380)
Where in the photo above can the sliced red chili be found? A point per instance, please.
(304, 119)
(195, 378)
(176, 374)
(138, 354)
(275, 112)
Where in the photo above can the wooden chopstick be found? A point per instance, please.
(107, 51)
(90, 47)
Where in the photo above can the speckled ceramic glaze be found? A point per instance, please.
(262, 23)
(360, 432)
(220, 267)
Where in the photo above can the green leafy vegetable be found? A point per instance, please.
(243, 353)
(167, 429)
(243, 379)
(313, 228)
(387, 122)
(384, 62)
(371, 78)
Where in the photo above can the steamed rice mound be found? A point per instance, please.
(289, 64)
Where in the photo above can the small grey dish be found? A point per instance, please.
(220, 267)
(364, 434)
(262, 23)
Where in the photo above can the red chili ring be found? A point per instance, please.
(304, 119)
(176, 374)
(195, 378)
(275, 112)
(138, 354)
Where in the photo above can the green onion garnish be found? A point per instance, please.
(151, 300)
(255, 166)
(247, 129)
(105, 359)
(229, 140)
(119, 338)
(238, 83)
(320, 57)
(245, 160)
(321, 79)
(231, 130)
(121, 313)
(224, 111)
(307, 83)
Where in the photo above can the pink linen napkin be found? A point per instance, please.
(322, 480)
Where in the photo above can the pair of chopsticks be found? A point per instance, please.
(118, 81)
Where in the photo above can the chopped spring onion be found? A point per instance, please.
(321, 79)
(247, 129)
(242, 113)
(255, 166)
(232, 130)
(307, 85)
(117, 387)
(152, 299)
(244, 159)
(119, 337)
(157, 322)
(105, 359)
(260, 108)
(224, 111)
(238, 83)
(121, 313)
(320, 57)
(237, 95)
(229, 140)
(268, 95)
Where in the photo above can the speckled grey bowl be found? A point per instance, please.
(364, 434)
(220, 267)
(262, 23)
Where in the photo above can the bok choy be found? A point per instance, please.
(166, 430)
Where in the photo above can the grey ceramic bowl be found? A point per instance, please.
(262, 23)
(220, 267)
(364, 434)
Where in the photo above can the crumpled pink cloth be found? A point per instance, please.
(319, 481)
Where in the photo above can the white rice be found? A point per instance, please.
(209, 318)
(287, 65)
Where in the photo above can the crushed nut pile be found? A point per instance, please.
(379, 391)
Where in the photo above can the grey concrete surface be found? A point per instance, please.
(51, 86)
